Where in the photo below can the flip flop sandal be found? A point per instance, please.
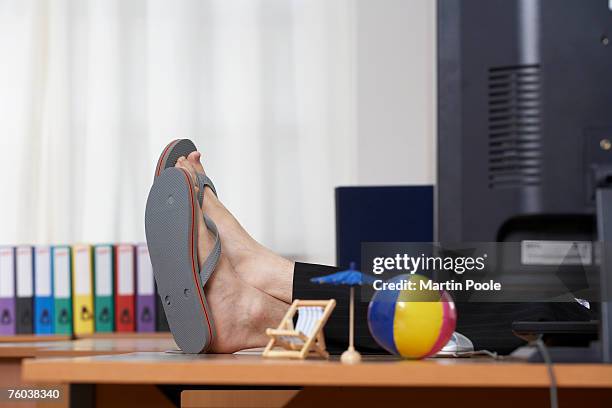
(172, 152)
(172, 240)
(170, 155)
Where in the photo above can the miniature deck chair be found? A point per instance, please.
(307, 336)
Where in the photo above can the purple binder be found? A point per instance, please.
(7, 291)
(145, 291)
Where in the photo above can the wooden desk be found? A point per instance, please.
(12, 354)
(106, 346)
(29, 338)
(379, 376)
(19, 338)
(126, 335)
(84, 347)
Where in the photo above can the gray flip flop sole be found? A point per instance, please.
(171, 232)
(172, 152)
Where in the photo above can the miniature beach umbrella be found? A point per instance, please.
(352, 278)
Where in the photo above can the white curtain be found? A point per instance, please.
(91, 91)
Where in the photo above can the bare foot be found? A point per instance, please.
(253, 262)
(241, 313)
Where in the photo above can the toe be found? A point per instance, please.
(187, 165)
(184, 164)
(194, 158)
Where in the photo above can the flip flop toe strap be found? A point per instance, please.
(203, 182)
(213, 258)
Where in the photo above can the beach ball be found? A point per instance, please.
(413, 323)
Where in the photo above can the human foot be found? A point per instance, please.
(240, 312)
(253, 262)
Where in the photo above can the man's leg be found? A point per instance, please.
(254, 263)
(283, 279)
(241, 313)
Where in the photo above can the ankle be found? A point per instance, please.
(256, 312)
(252, 322)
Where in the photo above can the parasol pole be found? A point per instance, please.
(352, 320)
(351, 356)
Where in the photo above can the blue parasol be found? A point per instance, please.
(350, 277)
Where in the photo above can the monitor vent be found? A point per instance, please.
(514, 126)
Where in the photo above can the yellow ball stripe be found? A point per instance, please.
(416, 327)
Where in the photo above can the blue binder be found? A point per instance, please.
(43, 291)
(381, 214)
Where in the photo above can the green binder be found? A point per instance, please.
(62, 290)
(103, 288)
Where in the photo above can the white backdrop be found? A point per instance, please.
(91, 90)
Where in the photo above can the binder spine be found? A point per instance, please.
(62, 287)
(146, 313)
(7, 316)
(7, 291)
(124, 288)
(145, 294)
(24, 304)
(103, 290)
(103, 305)
(83, 314)
(43, 293)
(63, 316)
(43, 312)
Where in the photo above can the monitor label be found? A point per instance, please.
(556, 253)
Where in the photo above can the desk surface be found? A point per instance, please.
(29, 338)
(176, 368)
(21, 338)
(85, 347)
(126, 335)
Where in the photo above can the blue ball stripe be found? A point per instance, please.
(381, 314)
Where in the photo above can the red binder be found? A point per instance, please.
(124, 288)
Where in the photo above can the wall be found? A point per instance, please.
(396, 91)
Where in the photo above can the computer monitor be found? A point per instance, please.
(524, 133)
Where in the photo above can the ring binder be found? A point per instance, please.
(124, 288)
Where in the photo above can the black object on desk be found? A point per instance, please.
(381, 214)
(558, 334)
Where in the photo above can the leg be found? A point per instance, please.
(253, 262)
(284, 279)
(241, 313)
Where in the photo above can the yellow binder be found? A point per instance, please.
(82, 289)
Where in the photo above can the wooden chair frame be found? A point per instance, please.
(314, 343)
